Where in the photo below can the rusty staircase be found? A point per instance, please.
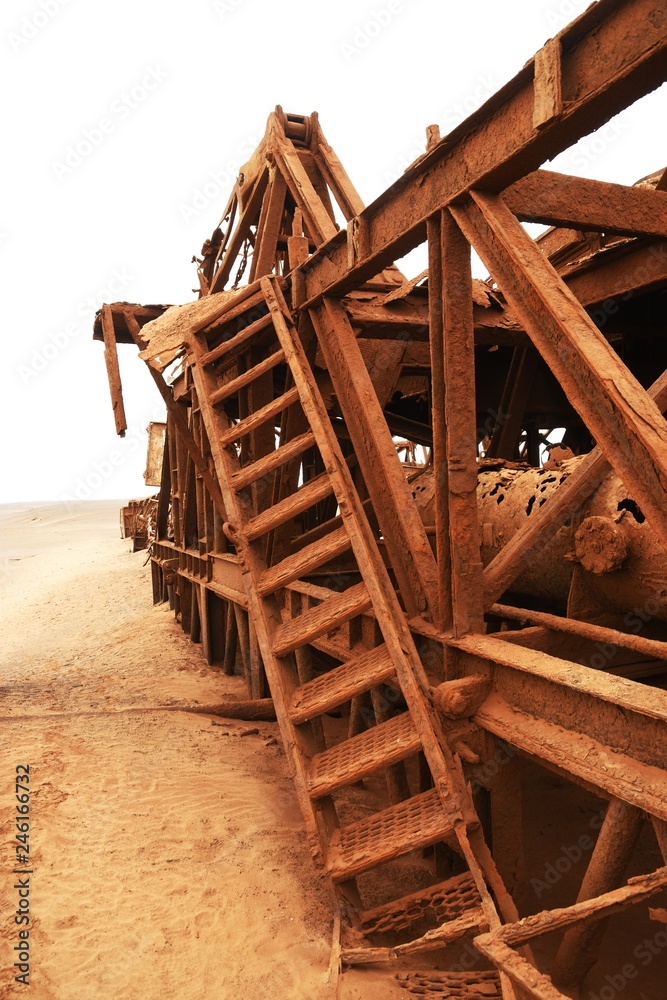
(258, 366)
(249, 467)
(442, 813)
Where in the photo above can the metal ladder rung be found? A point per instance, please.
(327, 616)
(238, 340)
(455, 985)
(341, 684)
(353, 759)
(418, 822)
(444, 901)
(247, 378)
(260, 417)
(305, 561)
(251, 473)
(291, 506)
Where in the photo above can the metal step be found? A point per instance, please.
(315, 490)
(239, 340)
(360, 756)
(247, 378)
(260, 417)
(418, 822)
(442, 902)
(301, 563)
(251, 473)
(341, 684)
(324, 618)
(434, 985)
(472, 921)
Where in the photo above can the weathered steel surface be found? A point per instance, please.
(361, 505)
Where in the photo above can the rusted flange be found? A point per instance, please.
(600, 545)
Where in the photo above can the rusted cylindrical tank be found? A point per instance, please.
(609, 537)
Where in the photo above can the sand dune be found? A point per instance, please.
(168, 853)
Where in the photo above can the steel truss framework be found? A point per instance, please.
(292, 542)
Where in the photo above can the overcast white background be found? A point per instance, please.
(125, 222)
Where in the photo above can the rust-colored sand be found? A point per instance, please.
(169, 857)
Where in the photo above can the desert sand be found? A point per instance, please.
(167, 852)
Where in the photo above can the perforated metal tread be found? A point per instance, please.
(322, 619)
(305, 561)
(369, 751)
(457, 985)
(341, 684)
(444, 901)
(418, 822)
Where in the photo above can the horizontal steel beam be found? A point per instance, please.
(615, 53)
(607, 730)
(593, 206)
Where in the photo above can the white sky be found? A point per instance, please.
(130, 213)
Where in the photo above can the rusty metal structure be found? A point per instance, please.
(362, 507)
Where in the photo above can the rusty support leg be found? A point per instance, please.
(217, 617)
(243, 633)
(304, 668)
(156, 582)
(461, 419)
(257, 679)
(397, 779)
(205, 619)
(184, 589)
(436, 346)
(195, 614)
(360, 714)
(513, 404)
(507, 823)
(614, 849)
(231, 640)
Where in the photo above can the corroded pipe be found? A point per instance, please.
(609, 538)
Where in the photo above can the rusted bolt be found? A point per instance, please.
(229, 532)
(462, 697)
(600, 545)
